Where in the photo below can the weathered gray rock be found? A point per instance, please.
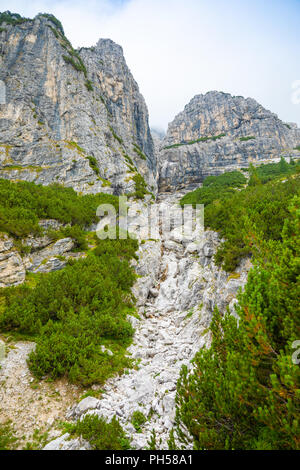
(84, 405)
(215, 114)
(65, 443)
(37, 243)
(12, 270)
(46, 260)
(59, 114)
(46, 256)
(106, 350)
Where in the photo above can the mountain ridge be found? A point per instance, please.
(75, 117)
(218, 132)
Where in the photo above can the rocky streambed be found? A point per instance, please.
(177, 290)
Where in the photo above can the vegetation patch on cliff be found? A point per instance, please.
(12, 18)
(139, 151)
(140, 187)
(246, 138)
(115, 136)
(93, 164)
(191, 142)
(54, 20)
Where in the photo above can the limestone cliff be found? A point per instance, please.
(217, 132)
(71, 117)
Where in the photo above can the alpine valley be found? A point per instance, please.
(162, 340)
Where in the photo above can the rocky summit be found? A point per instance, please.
(72, 117)
(217, 132)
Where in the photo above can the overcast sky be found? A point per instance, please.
(179, 48)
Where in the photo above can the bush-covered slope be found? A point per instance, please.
(73, 313)
(22, 204)
(243, 392)
(234, 214)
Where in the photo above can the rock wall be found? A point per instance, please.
(244, 132)
(45, 256)
(71, 117)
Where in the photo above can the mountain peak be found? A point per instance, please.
(109, 47)
(218, 132)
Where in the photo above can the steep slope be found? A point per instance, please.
(72, 117)
(217, 132)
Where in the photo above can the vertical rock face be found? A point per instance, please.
(72, 117)
(217, 132)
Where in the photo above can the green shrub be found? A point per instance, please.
(54, 20)
(125, 249)
(205, 195)
(138, 150)
(105, 183)
(102, 435)
(231, 212)
(76, 64)
(246, 138)
(201, 139)
(232, 179)
(73, 312)
(243, 392)
(12, 18)
(7, 438)
(152, 441)
(215, 188)
(262, 206)
(22, 204)
(79, 149)
(73, 231)
(89, 85)
(93, 164)
(140, 187)
(254, 179)
(138, 419)
(119, 139)
(273, 171)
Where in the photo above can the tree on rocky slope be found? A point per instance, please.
(243, 392)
